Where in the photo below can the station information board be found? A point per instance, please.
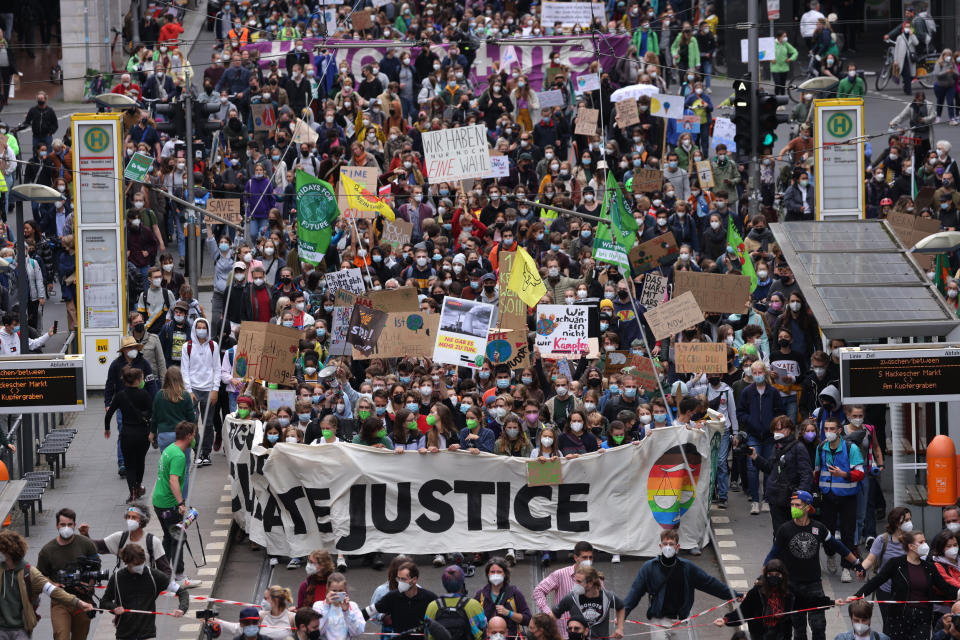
(838, 145)
(900, 375)
(41, 385)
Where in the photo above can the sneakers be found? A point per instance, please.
(122, 471)
(545, 559)
(188, 583)
(203, 461)
(833, 563)
(845, 576)
(754, 508)
(341, 563)
(695, 551)
(293, 564)
(274, 562)
(735, 486)
(615, 559)
(765, 507)
(722, 505)
(868, 543)
(511, 556)
(439, 560)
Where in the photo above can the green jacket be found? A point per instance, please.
(848, 88)
(784, 54)
(693, 52)
(653, 41)
(726, 172)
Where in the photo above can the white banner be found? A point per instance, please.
(464, 329)
(347, 279)
(347, 497)
(456, 154)
(570, 14)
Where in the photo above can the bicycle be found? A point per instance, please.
(886, 68)
(924, 75)
(824, 85)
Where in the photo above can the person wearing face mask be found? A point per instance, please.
(758, 405)
(912, 577)
(561, 582)
(721, 398)
(786, 470)
(200, 367)
(725, 174)
(258, 200)
(764, 605)
(800, 199)
(513, 440)
(136, 518)
(138, 586)
(861, 613)
(839, 469)
(589, 604)
(151, 346)
(802, 325)
(249, 623)
(944, 554)
(822, 373)
(671, 582)
(575, 439)
(62, 553)
(501, 600)
(135, 407)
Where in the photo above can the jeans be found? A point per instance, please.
(840, 512)
(707, 66)
(175, 228)
(863, 494)
(789, 403)
(723, 471)
(780, 82)
(906, 81)
(256, 227)
(168, 518)
(164, 440)
(812, 593)
(948, 95)
(119, 449)
(206, 443)
(764, 449)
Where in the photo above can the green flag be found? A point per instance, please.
(316, 212)
(606, 244)
(624, 226)
(941, 273)
(734, 240)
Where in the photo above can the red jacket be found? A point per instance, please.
(170, 32)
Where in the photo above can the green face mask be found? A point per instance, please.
(796, 513)
(363, 414)
(243, 413)
(327, 433)
(471, 423)
(412, 425)
(431, 420)
(382, 433)
(618, 439)
(141, 385)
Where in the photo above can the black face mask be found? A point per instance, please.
(139, 327)
(713, 380)
(623, 294)
(774, 581)
(575, 635)
(398, 398)
(783, 344)
(489, 289)
(594, 382)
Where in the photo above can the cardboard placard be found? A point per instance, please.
(263, 117)
(700, 357)
(562, 329)
(715, 293)
(226, 208)
(679, 313)
(405, 335)
(642, 369)
(396, 232)
(647, 180)
(654, 290)
(303, 133)
(615, 361)
(396, 300)
(361, 20)
(925, 197)
(910, 229)
(266, 351)
(509, 344)
(627, 113)
(587, 122)
(705, 174)
(366, 177)
(655, 252)
(456, 154)
(544, 473)
(587, 82)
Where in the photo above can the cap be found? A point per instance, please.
(526, 156)
(240, 265)
(886, 202)
(476, 272)
(129, 341)
(245, 400)
(606, 304)
(803, 496)
(488, 276)
(182, 305)
(459, 259)
(248, 614)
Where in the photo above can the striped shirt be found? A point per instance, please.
(560, 583)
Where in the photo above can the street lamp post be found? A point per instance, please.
(34, 193)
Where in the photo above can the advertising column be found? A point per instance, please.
(838, 143)
(101, 262)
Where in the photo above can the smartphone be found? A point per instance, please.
(337, 596)
(55, 323)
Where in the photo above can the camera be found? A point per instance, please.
(742, 447)
(82, 574)
(210, 629)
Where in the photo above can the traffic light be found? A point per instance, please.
(770, 119)
(203, 126)
(741, 118)
(170, 118)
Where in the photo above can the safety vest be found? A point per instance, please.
(3, 183)
(242, 37)
(829, 483)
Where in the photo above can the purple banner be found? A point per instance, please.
(533, 59)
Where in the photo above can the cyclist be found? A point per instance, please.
(823, 44)
(919, 28)
(905, 45)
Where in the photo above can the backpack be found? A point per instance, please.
(149, 542)
(32, 598)
(190, 345)
(454, 619)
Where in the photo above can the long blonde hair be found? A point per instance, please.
(173, 387)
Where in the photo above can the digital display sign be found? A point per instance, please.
(899, 375)
(42, 385)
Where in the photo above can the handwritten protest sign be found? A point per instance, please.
(365, 327)
(724, 131)
(266, 351)
(277, 398)
(700, 357)
(627, 114)
(587, 122)
(303, 133)
(499, 166)
(456, 154)
(673, 316)
(647, 180)
(642, 370)
(405, 335)
(615, 361)
(654, 290)
(263, 117)
(349, 279)
(395, 300)
(562, 329)
(705, 174)
(715, 293)
(552, 98)
(226, 208)
(660, 251)
(544, 473)
(570, 14)
(396, 232)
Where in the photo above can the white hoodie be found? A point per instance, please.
(200, 363)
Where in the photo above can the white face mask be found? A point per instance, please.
(546, 442)
(953, 526)
(923, 549)
(65, 532)
(132, 353)
(831, 436)
(496, 579)
(403, 587)
(132, 524)
(138, 568)
(951, 552)
(311, 568)
(576, 427)
(907, 526)
(668, 551)
(861, 629)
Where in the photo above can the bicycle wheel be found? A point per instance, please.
(883, 77)
(924, 77)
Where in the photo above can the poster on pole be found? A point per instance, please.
(464, 328)
(396, 232)
(654, 290)
(366, 177)
(226, 208)
(571, 14)
(665, 105)
(456, 154)
(405, 335)
(366, 324)
(266, 351)
(349, 279)
(586, 124)
(508, 341)
(499, 166)
(563, 329)
(766, 50)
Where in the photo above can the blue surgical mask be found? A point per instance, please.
(554, 247)
(224, 246)
(321, 332)
(503, 383)
(251, 631)
(377, 258)
(474, 285)
(629, 392)
(413, 407)
(528, 380)
(316, 399)
(637, 162)
(484, 375)
(404, 379)
(604, 326)
(585, 233)
(614, 389)
(304, 417)
(273, 437)
(288, 323)
(381, 410)
(284, 422)
(660, 417)
(464, 407)
(673, 164)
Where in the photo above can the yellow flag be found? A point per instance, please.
(360, 198)
(525, 279)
